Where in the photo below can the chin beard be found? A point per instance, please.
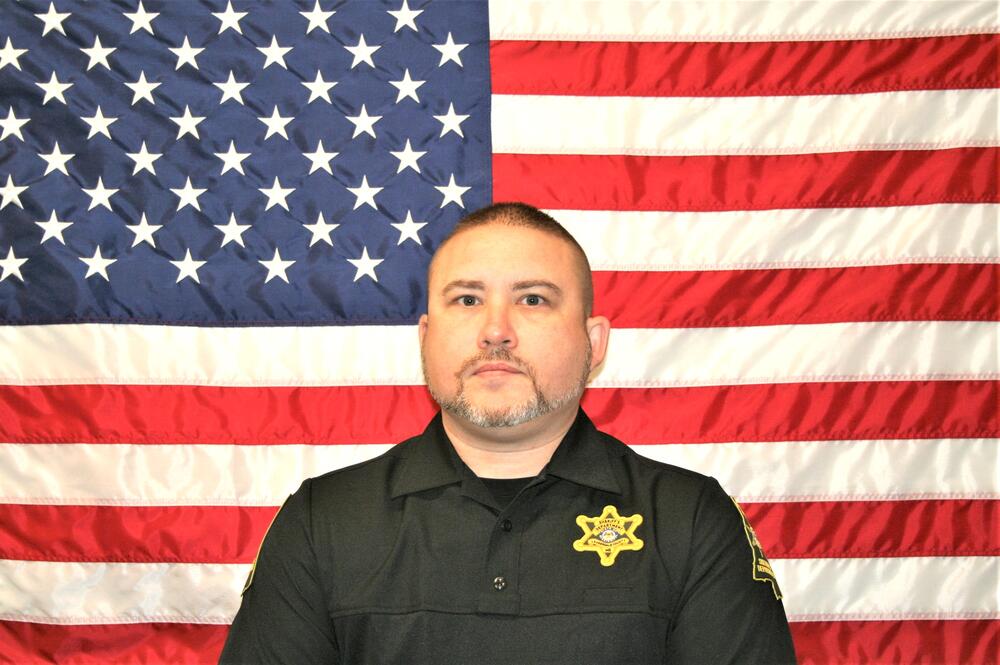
(511, 416)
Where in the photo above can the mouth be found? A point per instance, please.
(496, 369)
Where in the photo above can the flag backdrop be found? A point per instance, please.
(214, 225)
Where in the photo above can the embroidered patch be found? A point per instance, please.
(762, 571)
(608, 534)
(253, 568)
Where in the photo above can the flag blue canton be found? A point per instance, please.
(364, 270)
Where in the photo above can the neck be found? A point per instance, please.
(509, 452)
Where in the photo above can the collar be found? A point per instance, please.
(430, 460)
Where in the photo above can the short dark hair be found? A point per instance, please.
(524, 215)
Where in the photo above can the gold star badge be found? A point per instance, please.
(608, 534)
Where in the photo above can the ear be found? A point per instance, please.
(599, 331)
(422, 328)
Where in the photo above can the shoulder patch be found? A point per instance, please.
(253, 568)
(762, 571)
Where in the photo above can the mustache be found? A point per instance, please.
(496, 354)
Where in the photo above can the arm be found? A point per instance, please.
(283, 617)
(730, 609)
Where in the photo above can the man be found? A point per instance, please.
(511, 530)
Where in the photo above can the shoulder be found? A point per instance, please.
(643, 474)
(366, 481)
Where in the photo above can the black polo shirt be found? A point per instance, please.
(407, 558)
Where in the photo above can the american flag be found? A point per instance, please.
(216, 216)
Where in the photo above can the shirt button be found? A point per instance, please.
(506, 525)
(499, 583)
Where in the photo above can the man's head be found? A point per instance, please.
(508, 336)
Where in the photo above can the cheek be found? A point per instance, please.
(441, 359)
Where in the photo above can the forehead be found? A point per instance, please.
(498, 252)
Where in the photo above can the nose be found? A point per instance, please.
(497, 330)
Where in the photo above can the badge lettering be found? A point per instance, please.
(608, 534)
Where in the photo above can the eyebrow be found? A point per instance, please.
(537, 283)
(464, 284)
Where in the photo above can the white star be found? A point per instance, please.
(98, 54)
(100, 195)
(408, 157)
(452, 193)
(12, 124)
(56, 160)
(229, 19)
(141, 19)
(99, 124)
(9, 55)
(186, 54)
(274, 53)
(188, 267)
(319, 88)
(231, 89)
(144, 159)
(142, 89)
(320, 159)
(143, 231)
(232, 159)
(188, 195)
(187, 124)
(362, 53)
(11, 266)
(449, 51)
(97, 265)
(365, 265)
(407, 87)
(276, 267)
(318, 18)
(276, 195)
(405, 16)
(364, 193)
(232, 232)
(451, 121)
(54, 228)
(276, 124)
(11, 193)
(54, 89)
(408, 229)
(53, 20)
(320, 230)
(364, 122)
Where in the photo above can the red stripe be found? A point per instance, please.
(852, 529)
(175, 534)
(150, 643)
(798, 411)
(968, 642)
(917, 292)
(749, 182)
(231, 534)
(387, 414)
(743, 68)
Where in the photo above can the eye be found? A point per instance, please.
(533, 300)
(467, 301)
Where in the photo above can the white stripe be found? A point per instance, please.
(923, 119)
(859, 470)
(648, 357)
(252, 475)
(889, 589)
(810, 238)
(86, 593)
(166, 475)
(629, 20)
(814, 589)
(360, 355)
